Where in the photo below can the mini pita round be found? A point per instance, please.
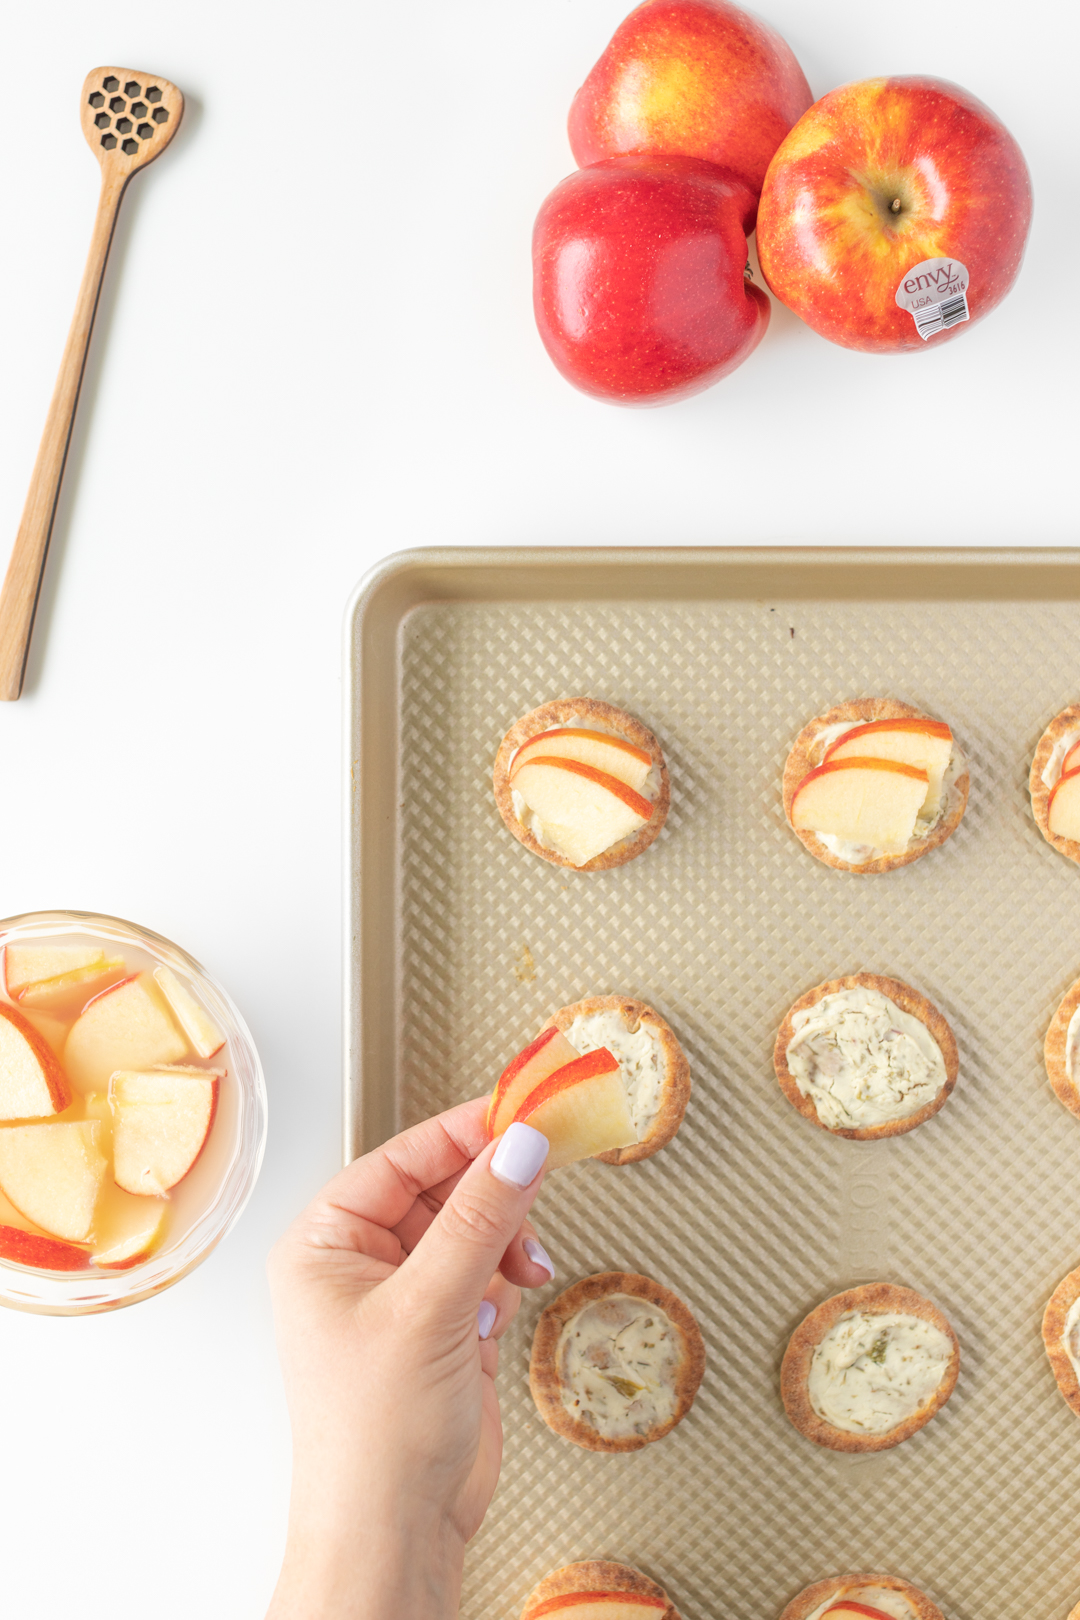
(1055, 1049)
(1067, 720)
(581, 711)
(880, 1298)
(1057, 1310)
(676, 1088)
(596, 1575)
(806, 754)
(546, 1385)
(909, 1001)
(812, 1597)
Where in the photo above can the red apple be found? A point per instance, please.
(848, 1609)
(691, 78)
(49, 1254)
(550, 1051)
(639, 281)
(902, 189)
(1063, 806)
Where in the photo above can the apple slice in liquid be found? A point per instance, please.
(53, 1174)
(32, 1083)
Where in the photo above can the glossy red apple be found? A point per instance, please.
(639, 282)
(691, 78)
(894, 188)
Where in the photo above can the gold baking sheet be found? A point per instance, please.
(461, 943)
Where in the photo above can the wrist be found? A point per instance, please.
(369, 1569)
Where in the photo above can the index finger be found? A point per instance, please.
(382, 1186)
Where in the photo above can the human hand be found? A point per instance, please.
(390, 1292)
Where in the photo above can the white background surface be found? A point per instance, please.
(315, 347)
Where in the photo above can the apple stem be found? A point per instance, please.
(895, 205)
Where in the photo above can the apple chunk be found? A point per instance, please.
(36, 974)
(862, 801)
(161, 1117)
(192, 1017)
(610, 754)
(125, 1027)
(583, 811)
(128, 1231)
(1063, 807)
(927, 744)
(600, 1606)
(582, 1109)
(53, 1175)
(48, 1254)
(550, 1051)
(32, 1083)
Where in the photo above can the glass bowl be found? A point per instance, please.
(219, 1183)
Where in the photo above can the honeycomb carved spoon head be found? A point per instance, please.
(128, 117)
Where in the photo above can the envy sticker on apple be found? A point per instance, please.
(935, 292)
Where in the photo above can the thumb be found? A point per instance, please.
(455, 1260)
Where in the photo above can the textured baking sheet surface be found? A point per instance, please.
(752, 1215)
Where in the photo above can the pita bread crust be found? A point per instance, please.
(597, 1575)
(1058, 1306)
(605, 714)
(909, 1001)
(795, 1368)
(676, 1089)
(1067, 720)
(1054, 1050)
(1074, 1614)
(545, 1384)
(812, 1597)
(803, 758)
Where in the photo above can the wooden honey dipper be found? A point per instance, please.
(128, 118)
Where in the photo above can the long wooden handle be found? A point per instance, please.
(22, 583)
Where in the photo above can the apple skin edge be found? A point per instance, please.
(639, 287)
(829, 244)
(691, 78)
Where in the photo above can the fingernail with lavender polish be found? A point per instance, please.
(519, 1155)
(538, 1255)
(485, 1317)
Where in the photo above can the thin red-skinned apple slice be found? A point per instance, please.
(847, 1607)
(53, 1174)
(611, 755)
(539, 1059)
(584, 811)
(1063, 806)
(582, 1109)
(126, 1027)
(1071, 762)
(128, 1232)
(600, 1606)
(861, 800)
(161, 1119)
(926, 744)
(192, 1017)
(32, 1083)
(46, 1253)
(37, 975)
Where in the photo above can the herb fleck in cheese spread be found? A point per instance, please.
(618, 1360)
(875, 1369)
(640, 1056)
(861, 1061)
